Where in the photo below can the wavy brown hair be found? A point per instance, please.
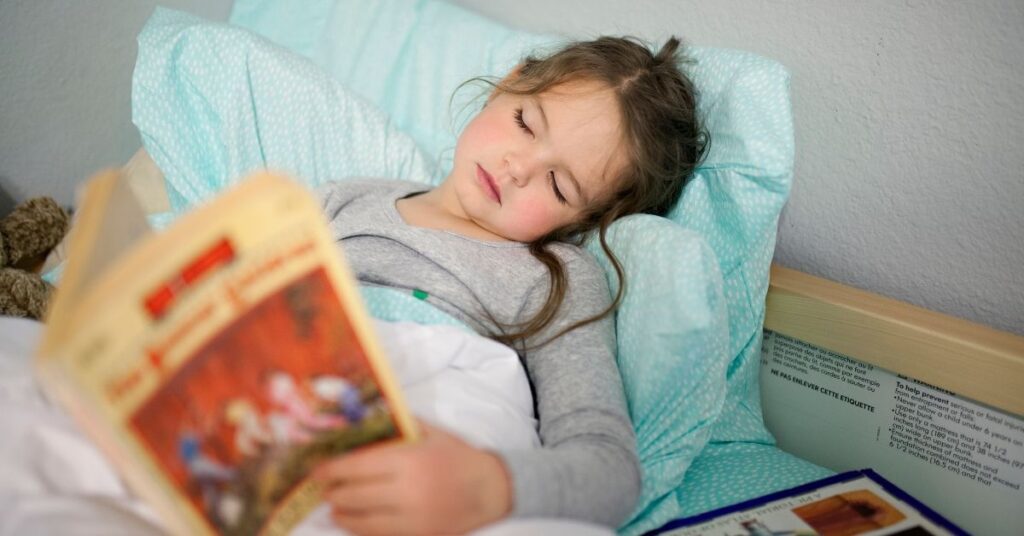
(662, 134)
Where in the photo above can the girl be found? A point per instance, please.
(563, 146)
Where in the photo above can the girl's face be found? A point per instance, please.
(527, 165)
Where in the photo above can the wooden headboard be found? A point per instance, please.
(967, 358)
(851, 379)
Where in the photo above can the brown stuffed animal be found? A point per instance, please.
(27, 235)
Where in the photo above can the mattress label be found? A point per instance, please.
(846, 414)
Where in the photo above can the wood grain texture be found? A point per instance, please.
(968, 359)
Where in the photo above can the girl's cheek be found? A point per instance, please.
(484, 130)
(535, 218)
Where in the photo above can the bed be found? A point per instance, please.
(980, 367)
(733, 342)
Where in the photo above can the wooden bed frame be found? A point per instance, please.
(963, 360)
(901, 338)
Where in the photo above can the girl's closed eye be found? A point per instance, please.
(554, 183)
(558, 193)
(521, 122)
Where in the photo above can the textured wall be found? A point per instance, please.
(910, 167)
(65, 89)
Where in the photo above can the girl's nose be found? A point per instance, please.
(521, 168)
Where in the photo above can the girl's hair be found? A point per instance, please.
(663, 137)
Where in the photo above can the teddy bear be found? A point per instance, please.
(27, 235)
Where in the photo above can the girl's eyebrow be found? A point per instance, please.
(568, 172)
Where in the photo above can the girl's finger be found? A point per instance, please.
(372, 523)
(354, 467)
(362, 498)
(426, 428)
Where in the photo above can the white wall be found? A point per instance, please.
(65, 89)
(910, 144)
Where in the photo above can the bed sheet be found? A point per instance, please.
(55, 481)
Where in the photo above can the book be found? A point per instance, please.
(845, 504)
(218, 361)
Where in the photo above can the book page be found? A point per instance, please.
(108, 222)
(121, 225)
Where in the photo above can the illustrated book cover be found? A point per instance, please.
(216, 362)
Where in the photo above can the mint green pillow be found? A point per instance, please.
(406, 56)
(214, 103)
(672, 335)
(411, 55)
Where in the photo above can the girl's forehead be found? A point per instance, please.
(585, 124)
(581, 94)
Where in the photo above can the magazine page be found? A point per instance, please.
(846, 414)
(853, 503)
(224, 359)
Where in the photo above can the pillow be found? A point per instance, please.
(672, 335)
(413, 55)
(213, 103)
(406, 56)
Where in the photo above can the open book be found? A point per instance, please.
(217, 362)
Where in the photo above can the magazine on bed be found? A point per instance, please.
(854, 502)
(216, 362)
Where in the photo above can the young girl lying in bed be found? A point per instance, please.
(563, 146)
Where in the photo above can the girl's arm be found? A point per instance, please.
(588, 468)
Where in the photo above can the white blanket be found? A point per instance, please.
(54, 481)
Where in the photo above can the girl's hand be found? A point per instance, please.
(438, 485)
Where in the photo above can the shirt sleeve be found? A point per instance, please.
(587, 468)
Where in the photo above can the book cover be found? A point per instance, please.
(216, 363)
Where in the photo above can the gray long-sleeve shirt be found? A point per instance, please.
(588, 467)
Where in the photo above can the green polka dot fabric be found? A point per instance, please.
(213, 102)
(728, 473)
(673, 353)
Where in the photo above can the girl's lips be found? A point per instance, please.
(487, 183)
